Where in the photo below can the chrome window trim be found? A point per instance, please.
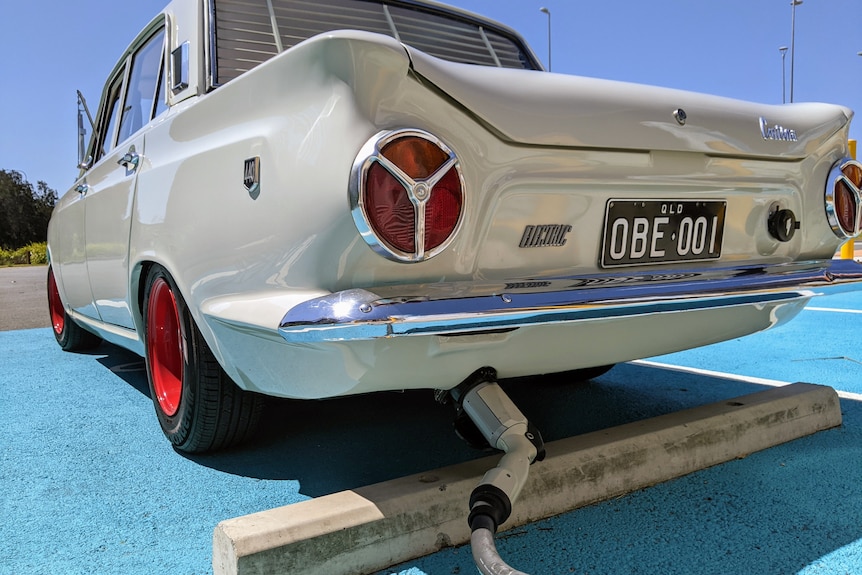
(161, 102)
(97, 140)
(276, 34)
(489, 46)
(210, 53)
(109, 141)
(391, 22)
(132, 68)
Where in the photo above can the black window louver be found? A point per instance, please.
(244, 32)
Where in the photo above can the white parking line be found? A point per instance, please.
(833, 309)
(743, 378)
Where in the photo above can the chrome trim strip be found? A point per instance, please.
(391, 22)
(489, 46)
(210, 46)
(274, 23)
(450, 309)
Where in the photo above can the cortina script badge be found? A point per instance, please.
(776, 132)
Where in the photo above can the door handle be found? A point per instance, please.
(130, 160)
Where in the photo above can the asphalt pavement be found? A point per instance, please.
(22, 297)
(90, 485)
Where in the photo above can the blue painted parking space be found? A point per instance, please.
(91, 486)
(795, 508)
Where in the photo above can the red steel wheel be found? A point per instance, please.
(165, 346)
(55, 305)
(198, 406)
(69, 335)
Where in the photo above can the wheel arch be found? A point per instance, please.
(138, 286)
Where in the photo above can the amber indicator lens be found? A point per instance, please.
(417, 157)
(854, 174)
(845, 208)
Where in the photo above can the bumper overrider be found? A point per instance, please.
(448, 309)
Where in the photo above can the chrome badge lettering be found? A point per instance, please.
(526, 285)
(544, 236)
(777, 132)
(251, 176)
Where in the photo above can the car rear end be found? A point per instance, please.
(536, 222)
(644, 176)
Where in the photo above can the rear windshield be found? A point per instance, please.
(244, 31)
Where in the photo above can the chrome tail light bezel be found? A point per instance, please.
(838, 176)
(418, 190)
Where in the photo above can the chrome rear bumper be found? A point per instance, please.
(463, 308)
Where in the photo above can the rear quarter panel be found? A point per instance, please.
(300, 115)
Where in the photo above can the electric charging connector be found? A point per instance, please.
(505, 428)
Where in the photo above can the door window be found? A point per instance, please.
(109, 125)
(142, 92)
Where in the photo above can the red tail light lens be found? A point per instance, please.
(443, 210)
(389, 210)
(844, 199)
(407, 194)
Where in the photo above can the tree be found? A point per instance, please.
(24, 210)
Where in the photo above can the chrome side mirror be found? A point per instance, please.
(83, 164)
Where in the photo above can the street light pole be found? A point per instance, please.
(793, 5)
(548, 12)
(783, 50)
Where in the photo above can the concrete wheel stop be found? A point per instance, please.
(371, 528)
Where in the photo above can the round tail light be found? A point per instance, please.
(844, 198)
(407, 194)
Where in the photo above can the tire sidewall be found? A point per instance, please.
(176, 427)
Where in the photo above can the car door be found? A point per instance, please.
(69, 254)
(68, 250)
(137, 96)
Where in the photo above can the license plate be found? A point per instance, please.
(641, 232)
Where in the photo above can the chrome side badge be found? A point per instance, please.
(251, 176)
(776, 132)
(551, 235)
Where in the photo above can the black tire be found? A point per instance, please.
(198, 406)
(587, 373)
(70, 335)
(577, 375)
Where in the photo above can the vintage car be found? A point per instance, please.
(315, 199)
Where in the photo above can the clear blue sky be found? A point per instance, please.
(726, 47)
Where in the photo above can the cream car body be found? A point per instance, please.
(248, 192)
